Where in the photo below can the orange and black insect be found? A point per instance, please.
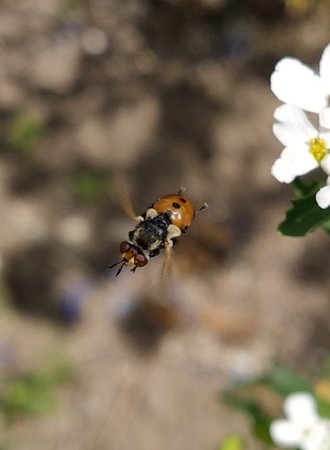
(158, 228)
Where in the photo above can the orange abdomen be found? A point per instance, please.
(180, 208)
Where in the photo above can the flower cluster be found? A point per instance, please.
(303, 428)
(306, 146)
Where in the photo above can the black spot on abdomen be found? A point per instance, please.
(176, 205)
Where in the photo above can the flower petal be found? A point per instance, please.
(325, 117)
(325, 68)
(317, 437)
(326, 137)
(294, 161)
(295, 83)
(301, 408)
(325, 164)
(292, 125)
(285, 433)
(282, 171)
(323, 197)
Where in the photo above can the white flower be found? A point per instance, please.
(303, 428)
(323, 196)
(295, 83)
(305, 148)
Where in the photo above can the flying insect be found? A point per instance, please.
(158, 228)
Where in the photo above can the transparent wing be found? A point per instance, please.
(124, 197)
(166, 275)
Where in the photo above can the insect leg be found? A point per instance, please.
(172, 232)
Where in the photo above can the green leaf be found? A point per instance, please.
(33, 393)
(25, 131)
(261, 429)
(233, 442)
(326, 226)
(253, 397)
(285, 382)
(323, 408)
(89, 185)
(260, 419)
(303, 188)
(304, 216)
(26, 396)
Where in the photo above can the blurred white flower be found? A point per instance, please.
(305, 147)
(297, 84)
(303, 428)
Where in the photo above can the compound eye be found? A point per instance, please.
(124, 247)
(140, 260)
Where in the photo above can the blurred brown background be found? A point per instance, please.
(148, 95)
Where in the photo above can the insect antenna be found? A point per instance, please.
(122, 263)
(120, 268)
(204, 206)
(114, 265)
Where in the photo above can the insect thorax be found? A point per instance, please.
(150, 234)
